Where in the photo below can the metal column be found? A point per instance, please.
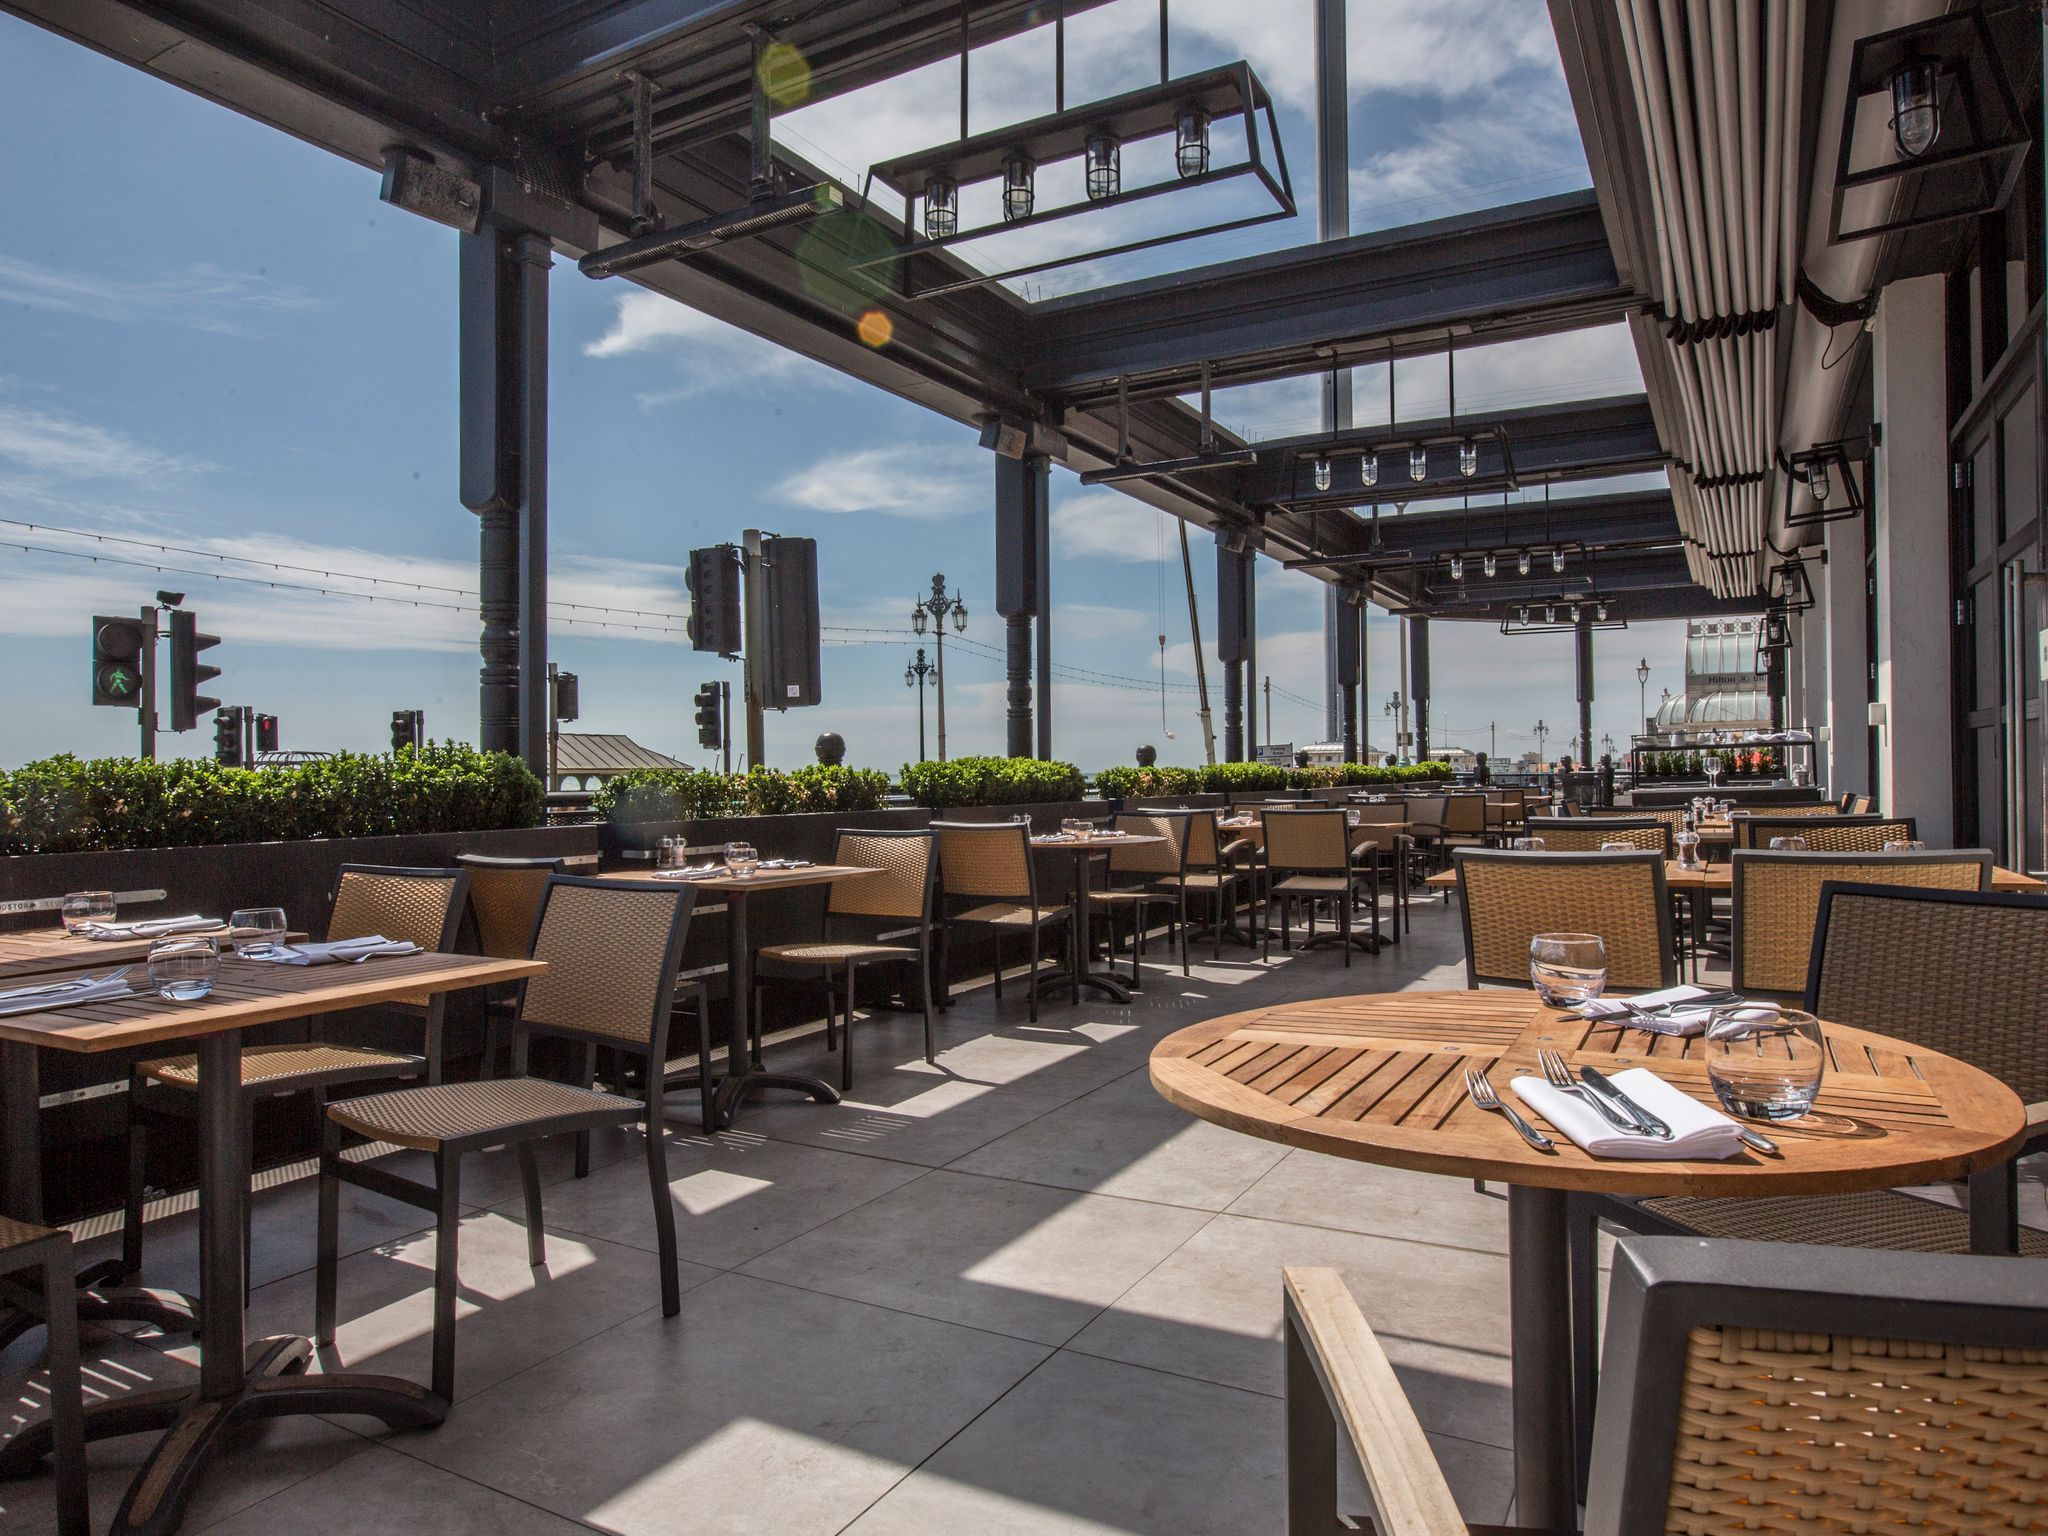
(504, 432)
(1333, 222)
(1232, 629)
(1037, 476)
(1418, 682)
(1582, 638)
(1016, 594)
(1343, 667)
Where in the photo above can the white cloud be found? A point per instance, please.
(202, 297)
(1107, 525)
(707, 352)
(45, 443)
(913, 480)
(1445, 49)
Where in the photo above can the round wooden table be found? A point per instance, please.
(1380, 1078)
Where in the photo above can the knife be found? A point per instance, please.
(1648, 1123)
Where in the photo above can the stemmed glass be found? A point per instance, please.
(1568, 968)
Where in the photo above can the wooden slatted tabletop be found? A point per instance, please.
(253, 992)
(1380, 1079)
(759, 880)
(1721, 877)
(32, 951)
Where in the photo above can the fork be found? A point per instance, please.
(1481, 1091)
(1559, 1075)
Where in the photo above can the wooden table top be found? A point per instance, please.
(31, 951)
(759, 880)
(1096, 844)
(256, 992)
(1380, 1079)
(1721, 877)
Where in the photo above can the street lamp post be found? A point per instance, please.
(935, 610)
(1397, 710)
(914, 676)
(1643, 690)
(1542, 731)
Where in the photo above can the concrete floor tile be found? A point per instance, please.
(1020, 1259)
(383, 1491)
(1315, 1189)
(761, 1409)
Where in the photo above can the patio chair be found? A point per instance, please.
(1673, 816)
(504, 900)
(611, 949)
(1777, 900)
(45, 1253)
(1825, 834)
(1308, 858)
(1215, 868)
(1508, 898)
(1161, 869)
(1748, 1387)
(853, 911)
(989, 864)
(1585, 834)
(1391, 856)
(1426, 823)
(1464, 823)
(423, 906)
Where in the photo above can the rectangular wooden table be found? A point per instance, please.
(29, 952)
(196, 1421)
(1720, 877)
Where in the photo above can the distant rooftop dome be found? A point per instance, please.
(1717, 707)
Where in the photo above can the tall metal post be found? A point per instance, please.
(1333, 222)
(145, 710)
(1038, 469)
(1232, 626)
(1250, 561)
(1020, 580)
(1582, 637)
(504, 429)
(1418, 682)
(754, 675)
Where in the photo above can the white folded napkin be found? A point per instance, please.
(1676, 1021)
(1697, 1132)
(81, 989)
(339, 952)
(705, 873)
(155, 928)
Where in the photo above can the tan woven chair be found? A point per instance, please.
(504, 901)
(1509, 898)
(1860, 805)
(422, 906)
(1585, 834)
(612, 949)
(45, 1253)
(988, 878)
(1464, 821)
(1214, 870)
(1829, 834)
(1777, 897)
(900, 893)
(1748, 1387)
(1161, 872)
(1673, 816)
(1308, 858)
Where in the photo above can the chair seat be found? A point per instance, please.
(1008, 914)
(1201, 880)
(427, 1117)
(1132, 893)
(20, 1234)
(1314, 885)
(279, 1065)
(834, 954)
(1878, 1218)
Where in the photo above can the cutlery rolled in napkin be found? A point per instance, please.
(1697, 1132)
(339, 952)
(1667, 1019)
(155, 928)
(64, 994)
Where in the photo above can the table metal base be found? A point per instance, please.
(196, 1426)
(732, 1091)
(1112, 987)
(1539, 1311)
(104, 1298)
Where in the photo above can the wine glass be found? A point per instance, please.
(81, 909)
(1568, 968)
(256, 929)
(183, 966)
(1765, 1062)
(741, 860)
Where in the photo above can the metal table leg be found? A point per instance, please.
(743, 1073)
(1084, 974)
(1539, 1284)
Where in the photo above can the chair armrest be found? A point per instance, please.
(2037, 1126)
(1409, 1494)
(1238, 848)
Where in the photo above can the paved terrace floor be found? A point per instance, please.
(1015, 1293)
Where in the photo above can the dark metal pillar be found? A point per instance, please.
(1333, 222)
(1775, 683)
(1582, 638)
(1344, 669)
(1250, 577)
(1232, 627)
(1037, 478)
(1418, 682)
(504, 432)
(1016, 594)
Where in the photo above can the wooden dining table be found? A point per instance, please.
(1380, 1079)
(29, 952)
(231, 1389)
(1085, 849)
(1720, 878)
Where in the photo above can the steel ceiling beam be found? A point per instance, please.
(1581, 521)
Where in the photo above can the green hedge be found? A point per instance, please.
(992, 781)
(655, 794)
(1142, 783)
(65, 805)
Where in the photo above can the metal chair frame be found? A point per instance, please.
(1040, 915)
(1335, 863)
(1660, 902)
(46, 1252)
(1149, 893)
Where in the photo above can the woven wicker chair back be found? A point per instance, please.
(1204, 845)
(1835, 834)
(1896, 962)
(1385, 811)
(1777, 898)
(1780, 812)
(417, 905)
(607, 951)
(505, 897)
(1673, 816)
(1585, 834)
(1465, 815)
(1426, 810)
(1509, 898)
(902, 889)
(1859, 805)
(987, 859)
(1308, 840)
(1165, 858)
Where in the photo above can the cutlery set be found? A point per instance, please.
(1596, 1089)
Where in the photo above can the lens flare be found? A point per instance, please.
(785, 74)
(876, 329)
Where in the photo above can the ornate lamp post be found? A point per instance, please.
(913, 677)
(1397, 711)
(935, 610)
(1643, 690)
(1542, 731)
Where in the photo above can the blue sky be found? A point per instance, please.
(215, 338)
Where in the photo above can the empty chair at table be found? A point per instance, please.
(1747, 1387)
(44, 1253)
(504, 900)
(1825, 834)
(1144, 875)
(1507, 898)
(988, 880)
(1308, 859)
(1587, 834)
(420, 906)
(1463, 822)
(1215, 867)
(611, 949)
(864, 924)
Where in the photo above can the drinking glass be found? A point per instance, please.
(183, 966)
(741, 860)
(1568, 968)
(1904, 845)
(1527, 845)
(1076, 827)
(256, 928)
(1617, 845)
(1788, 845)
(83, 907)
(1765, 1062)
(1688, 844)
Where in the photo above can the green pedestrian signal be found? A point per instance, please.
(117, 661)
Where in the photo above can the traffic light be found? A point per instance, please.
(117, 661)
(227, 736)
(709, 735)
(187, 673)
(714, 582)
(266, 733)
(408, 729)
(566, 696)
(790, 657)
